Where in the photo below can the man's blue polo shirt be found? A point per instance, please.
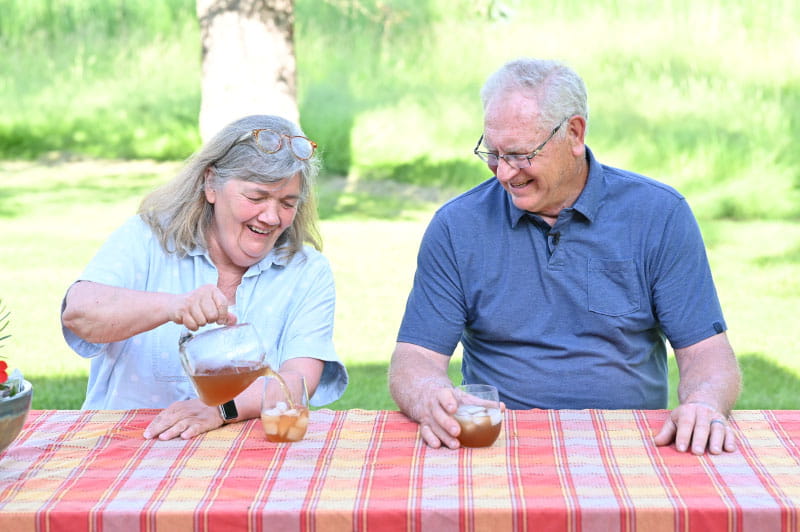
(569, 316)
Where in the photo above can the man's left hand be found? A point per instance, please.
(697, 427)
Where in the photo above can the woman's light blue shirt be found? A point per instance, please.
(291, 304)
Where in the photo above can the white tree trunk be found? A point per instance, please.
(248, 61)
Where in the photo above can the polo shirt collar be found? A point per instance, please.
(588, 201)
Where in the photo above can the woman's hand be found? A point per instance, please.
(200, 307)
(185, 419)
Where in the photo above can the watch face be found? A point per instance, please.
(228, 410)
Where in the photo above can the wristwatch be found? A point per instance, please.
(228, 411)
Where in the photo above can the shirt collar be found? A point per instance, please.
(588, 201)
(277, 257)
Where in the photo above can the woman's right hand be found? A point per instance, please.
(203, 305)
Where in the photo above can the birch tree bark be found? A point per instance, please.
(248, 61)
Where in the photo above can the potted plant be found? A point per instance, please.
(15, 392)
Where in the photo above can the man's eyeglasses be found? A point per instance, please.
(270, 141)
(514, 161)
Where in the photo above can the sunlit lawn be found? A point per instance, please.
(53, 218)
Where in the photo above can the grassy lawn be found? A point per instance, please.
(54, 217)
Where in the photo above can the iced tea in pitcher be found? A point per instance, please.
(223, 361)
(220, 385)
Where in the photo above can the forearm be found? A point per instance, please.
(415, 373)
(719, 390)
(709, 374)
(101, 313)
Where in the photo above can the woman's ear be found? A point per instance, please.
(208, 186)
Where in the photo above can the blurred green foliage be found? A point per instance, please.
(702, 95)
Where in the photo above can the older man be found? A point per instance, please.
(562, 278)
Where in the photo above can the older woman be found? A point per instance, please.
(227, 240)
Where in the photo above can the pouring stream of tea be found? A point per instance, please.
(269, 372)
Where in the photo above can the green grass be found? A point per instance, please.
(702, 95)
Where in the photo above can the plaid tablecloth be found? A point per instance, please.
(368, 470)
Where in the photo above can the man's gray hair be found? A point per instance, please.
(559, 90)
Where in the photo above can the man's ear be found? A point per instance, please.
(208, 187)
(576, 134)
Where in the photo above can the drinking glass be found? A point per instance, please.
(284, 407)
(222, 361)
(479, 414)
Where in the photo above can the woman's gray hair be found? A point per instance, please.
(559, 90)
(178, 211)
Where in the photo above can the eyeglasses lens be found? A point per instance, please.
(514, 161)
(301, 147)
(269, 141)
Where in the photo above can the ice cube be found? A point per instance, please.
(495, 415)
(295, 433)
(270, 427)
(470, 410)
(482, 420)
(302, 422)
(281, 406)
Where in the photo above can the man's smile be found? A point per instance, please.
(520, 184)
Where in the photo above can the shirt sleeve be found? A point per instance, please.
(121, 261)
(684, 295)
(435, 312)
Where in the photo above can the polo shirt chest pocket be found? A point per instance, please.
(613, 289)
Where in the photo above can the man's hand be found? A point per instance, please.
(697, 427)
(709, 385)
(185, 419)
(420, 386)
(437, 426)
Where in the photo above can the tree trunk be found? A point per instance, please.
(248, 61)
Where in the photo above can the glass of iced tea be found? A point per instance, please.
(223, 361)
(479, 414)
(284, 407)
